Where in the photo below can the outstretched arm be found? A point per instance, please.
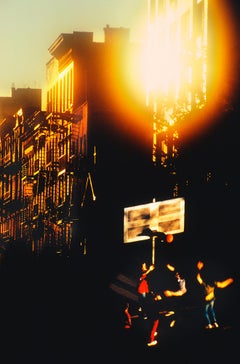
(224, 283)
(178, 293)
(170, 267)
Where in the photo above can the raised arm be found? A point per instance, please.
(200, 266)
(150, 269)
(199, 278)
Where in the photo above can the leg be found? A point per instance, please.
(206, 308)
(142, 304)
(154, 329)
(212, 311)
(128, 322)
(153, 333)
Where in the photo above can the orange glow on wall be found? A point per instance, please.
(222, 77)
(161, 65)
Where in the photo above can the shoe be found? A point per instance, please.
(155, 333)
(209, 326)
(145, 317)
(152, 343)
(215, 324)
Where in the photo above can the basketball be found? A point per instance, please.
(169, 238)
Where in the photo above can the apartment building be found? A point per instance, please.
(65, 162)
(20, 97)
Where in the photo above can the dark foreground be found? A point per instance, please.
(60, 313)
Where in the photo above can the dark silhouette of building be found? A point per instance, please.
(61, 168)
(20, 97)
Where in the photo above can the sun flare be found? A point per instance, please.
(186, 60)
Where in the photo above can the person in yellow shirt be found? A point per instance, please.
(209, 296)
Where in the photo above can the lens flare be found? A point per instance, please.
(162, 67)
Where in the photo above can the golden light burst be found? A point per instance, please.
(161, 67)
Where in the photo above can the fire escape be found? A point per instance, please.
(53, 179)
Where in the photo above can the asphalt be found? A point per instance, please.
(53, 315)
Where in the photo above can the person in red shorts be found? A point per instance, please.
(153, 314)
(143, 287)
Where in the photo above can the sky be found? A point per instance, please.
(28, 28)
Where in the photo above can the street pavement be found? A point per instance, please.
(53, 315)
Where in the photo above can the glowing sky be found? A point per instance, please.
(28, 28)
